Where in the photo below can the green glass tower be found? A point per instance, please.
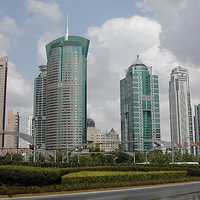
(66, 92)
(140, 112)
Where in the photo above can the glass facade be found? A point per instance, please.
(140, 112)
(39, 115)
(66, 92)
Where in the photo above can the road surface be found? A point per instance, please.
(181, 191)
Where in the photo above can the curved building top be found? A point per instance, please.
(139, 64)
(71, 40)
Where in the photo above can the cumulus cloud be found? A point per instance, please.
(41, 45)
(49, 10)
(19, 91)
(180, 26)
(114, 47)
(47, 17)
(8, 33)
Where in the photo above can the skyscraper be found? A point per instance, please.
(66, 92)
(39, 111)
(3, 85)
(180, 110)
(140, 110)
(11, 136)
(197, 127)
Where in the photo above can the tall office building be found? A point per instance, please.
(180, 110)
(3, 85)
(39, 110)
(66, 92)
(140, 110)
(197, 128)
(11, 136)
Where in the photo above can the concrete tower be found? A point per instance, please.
(180, 110)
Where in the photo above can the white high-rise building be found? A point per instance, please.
(180, 110)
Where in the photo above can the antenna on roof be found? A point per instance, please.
(67, 29)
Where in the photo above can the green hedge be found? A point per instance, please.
(94, 179)
(29, 176)
(143, 168)
(36, 176)
(193, 171)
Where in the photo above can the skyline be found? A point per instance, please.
(143, 34)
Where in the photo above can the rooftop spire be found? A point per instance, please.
(67, 29)
(138, 61)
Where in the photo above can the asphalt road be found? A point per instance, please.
(186, 191)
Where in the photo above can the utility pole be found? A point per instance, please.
(34, 148)
(146, 159)
(173, 156)
(134, 158)
(67, 154)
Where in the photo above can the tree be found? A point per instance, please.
(157, 157)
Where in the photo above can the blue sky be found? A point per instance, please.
(164, 33)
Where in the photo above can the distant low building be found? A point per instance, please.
(92, 132)
(108, 141)
(105, 141)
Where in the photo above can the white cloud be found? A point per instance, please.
(41, 45)
(114, 47)
(49, 10)
(47, 17)
(8, 33)
(19, 91)
(180, 26)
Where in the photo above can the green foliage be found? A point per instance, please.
(193, 171)
(89, 179)
(96, 159)
(11, 158)
(158, 158)
(122, 157)
(13, 190)
(71, 159)
(21, 175)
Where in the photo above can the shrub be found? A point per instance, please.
(92, 179)
(193, 171)
(29, 176)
